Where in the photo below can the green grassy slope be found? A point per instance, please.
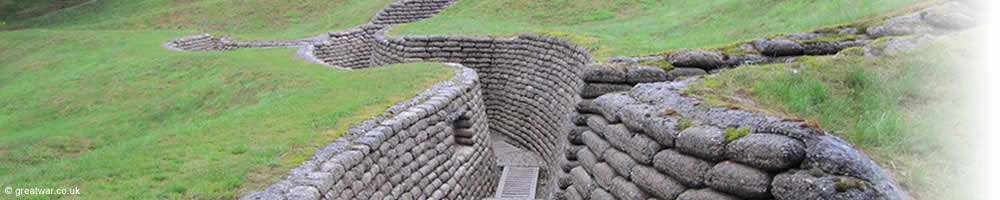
(23, 9)
(910, 112)
(117, 115)
(268, 19)
(631, 28)
(89, 98)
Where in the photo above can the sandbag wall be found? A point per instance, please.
(530, 82)
(207, 42)
(200, 42)
(649, 142)
(433, 146)
(607, 78)
(600, 79)
(348, 48)
(941, 19)
(351, 48)
(406, 11)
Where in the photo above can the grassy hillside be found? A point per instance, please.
(120, 117)
(912, 112)
(23, 9)
(89, 98)
(268, 19)
(630, 27)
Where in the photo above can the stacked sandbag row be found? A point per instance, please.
(779, 49)
(761, 51)
(601, 79)
(527, 82)
(411, 155)
(406, 11)
(206, 42)
(652, 143)
(939, 19)
(905, 32)
(389, 50)
(349, 49)
(267, 44)
(935, 20)
(607, 78)
(474, 52)
(200, 42)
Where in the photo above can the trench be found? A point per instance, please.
(535, 117)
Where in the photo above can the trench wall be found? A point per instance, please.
(530, 83)
(406, 11)
(351, 48)
(338, 48)
(433, 146)
(206, 42)
(639, 140)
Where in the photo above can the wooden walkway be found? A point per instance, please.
(518, 183)
(521, 170)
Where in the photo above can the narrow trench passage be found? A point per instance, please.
(521, 170)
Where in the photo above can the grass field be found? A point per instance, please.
(24, 9)
(632, 28)
(89, 98)
(248, 20)
(120, 117)
(911, 112)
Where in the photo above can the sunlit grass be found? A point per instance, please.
(250, 20)
(120, 117)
